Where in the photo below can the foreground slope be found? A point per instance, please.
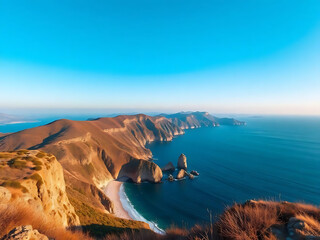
(253, 220)
(36, 179)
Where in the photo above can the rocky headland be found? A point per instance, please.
(66, 165)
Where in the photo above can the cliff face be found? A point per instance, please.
(36, 179)
(140, 170)
(93, 152)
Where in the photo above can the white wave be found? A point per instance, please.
(133, 213)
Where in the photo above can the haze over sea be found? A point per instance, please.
(270, 158)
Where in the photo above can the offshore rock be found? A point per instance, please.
(181, 174)
(182, 162)
(169, 167)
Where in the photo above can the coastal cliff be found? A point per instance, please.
(36, 179)
(187, 120)
(139, 171)
(94, 152)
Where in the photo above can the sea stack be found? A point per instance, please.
(182, 162)
(168, 167)
(181, 174)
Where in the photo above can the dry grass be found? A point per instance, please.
(312, 225)
(247, 222)
(250, 221)
(14, 215)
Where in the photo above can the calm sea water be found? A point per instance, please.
(270, 158)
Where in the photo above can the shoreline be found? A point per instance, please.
(123, 208)
(112, 190)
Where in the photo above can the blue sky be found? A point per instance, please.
(162, 55)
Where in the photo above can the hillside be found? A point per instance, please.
(96, 151)
(186, 120)
(252, 220)
(93, 152)
(33, 193)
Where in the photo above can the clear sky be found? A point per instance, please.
(222, 56)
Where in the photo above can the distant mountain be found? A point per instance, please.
(186, 120)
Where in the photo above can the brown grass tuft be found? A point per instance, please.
(247, 222)
(14, 215)
(312, 225)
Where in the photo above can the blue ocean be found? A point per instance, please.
(275, 158)
(270, 158)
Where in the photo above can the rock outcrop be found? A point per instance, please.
(195, 173)
(141, 170)
(169, 167)
(190, 176)
(182, 162)
(170, 178)
(24, 233)
(181, 174)
(36, 179)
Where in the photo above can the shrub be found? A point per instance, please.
(17, 163)
(37, 162)
(22, 151)
(28, 158)
(247, 222)
(37, 178)
(37, 168)
(14, 184)
(40, 155)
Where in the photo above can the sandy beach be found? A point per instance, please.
(112, 191)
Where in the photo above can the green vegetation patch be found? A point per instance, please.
(99, 224)
(17, 163)
(41, 155)
(28, 158)
(37, 162)
(51, 159)
(14, 184)
(37, 178)
(37, 168)
(22, 151)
